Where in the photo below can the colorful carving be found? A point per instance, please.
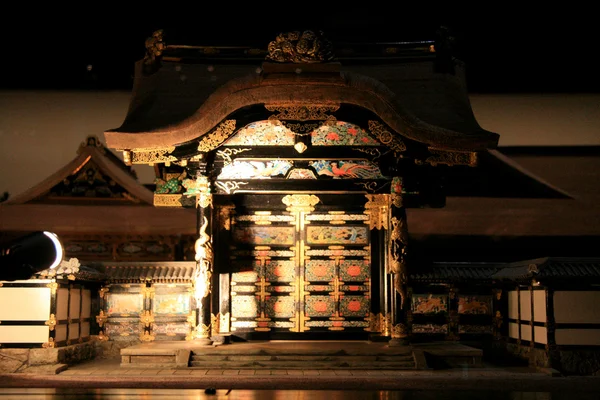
(429, 304)
(301, 173)
(347, 169)
(124, 303)
(280, 307)
(264, 235)
(319, 270)
(244, 306)
(355, 270)
(354, 306)
(171, 303)
(255, 169)
(122, 328)
(337, 234)
(319, 306)
(474, 304)
(280, 270)
(171, 328)
(341, 134)
(262, 133)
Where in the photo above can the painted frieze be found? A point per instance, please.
(337, 234)
(474, 304)
(429, 304)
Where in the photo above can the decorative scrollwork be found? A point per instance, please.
(452, 157)
(300, 202)
(220, 134)
(374, 152)
(300, 47)
(172, 200)
(386, 137)
(227, 153)
(377, 208)
(229, 186)
(306, 112)
(152, 156)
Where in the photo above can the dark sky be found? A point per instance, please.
(505, 48)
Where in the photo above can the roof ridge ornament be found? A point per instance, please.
(155, 45)
(300, 47)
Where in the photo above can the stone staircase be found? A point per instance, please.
(323, 355)
(357, 355)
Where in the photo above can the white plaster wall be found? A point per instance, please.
(540, 334)
(577, 307)
(539, 306)
(24, 304)
(74, 304)
(62, 304)
(525, 332)
(24, 334)
(513, 330)
(86, 303)
(525, 302)
(513, 304)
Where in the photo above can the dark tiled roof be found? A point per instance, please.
(552, 268)
(455, 271)
(176, 271)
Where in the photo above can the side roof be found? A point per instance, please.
(95, 169)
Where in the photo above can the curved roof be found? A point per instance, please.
(180, 103)
(90, 151)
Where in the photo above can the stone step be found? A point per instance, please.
(400, 365)
(301, 358)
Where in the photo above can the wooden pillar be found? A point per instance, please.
(221, 296)
(398, 241)
(378, 208)
(204, 258)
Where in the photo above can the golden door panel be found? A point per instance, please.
(300, 271)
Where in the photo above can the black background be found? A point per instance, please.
(506, 48)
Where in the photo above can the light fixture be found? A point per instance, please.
(32, 253)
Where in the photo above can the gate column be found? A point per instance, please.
(204, 257)
(397, 268)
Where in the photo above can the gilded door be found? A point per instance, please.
(303, 269)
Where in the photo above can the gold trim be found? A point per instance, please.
(386, 137)
(300, 203)
(147, 337)
(377, 208)
(53, 286)
(172, 200)
(148, 292)
(102, 336)
(147, 318)
(302, 113)
(51, 322)
(50, 344)
(451, 157)
(215, 138)
(152, 156)
(101, 318)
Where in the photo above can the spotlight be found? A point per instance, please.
(30, 254)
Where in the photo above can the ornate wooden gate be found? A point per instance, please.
(303, 268)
